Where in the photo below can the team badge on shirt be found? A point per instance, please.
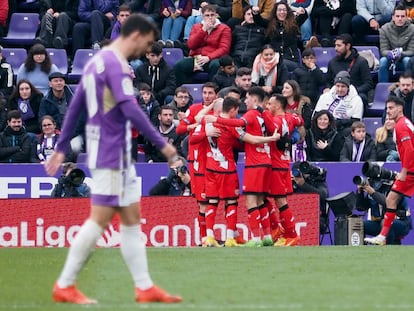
(127, 87)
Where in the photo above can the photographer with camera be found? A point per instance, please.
(307, 178)
(71, 183)
(404, 180)
(371, 195)
(177, 183)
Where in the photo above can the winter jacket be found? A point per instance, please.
(15, 147)
(32, 124)
(214, 44)
(152, 109)
(311, 82)
(160, 78)
(50, 106)
(6, 77)
(353, 103)
(408, 102)
(154, 155)
(377, 9)
(246, 43)
(105, 6)
(265, 8)
(70, 7)
(392, 36)
(223, 80)
(331, 152)
(368, 154)
(284, 42)
(358, 69)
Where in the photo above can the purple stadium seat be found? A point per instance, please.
(196, 91)
(323, 56)
(82, 56)
(15, 57)
(22, 29)
(59, 58)
(371, 125)
(172, 55)
(82, 158)
(381, 93)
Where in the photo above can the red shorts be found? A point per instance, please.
(198, 187)
(257, 179)
(405, 187)
(281, 182)
(223, 186)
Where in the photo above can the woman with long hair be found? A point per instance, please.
(37, 67)
(323, 143)
(384, 139)
(268, 70)
(297, 103)
(282, 32)
(26, 98)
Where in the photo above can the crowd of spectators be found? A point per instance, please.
(237, 45)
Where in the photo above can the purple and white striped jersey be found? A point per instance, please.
(106, 92)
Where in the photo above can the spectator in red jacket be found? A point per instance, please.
(208, 41)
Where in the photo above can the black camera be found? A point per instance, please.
(360, 181)
(375, 171)
(75, 178)
(182, 169)
(313, 170)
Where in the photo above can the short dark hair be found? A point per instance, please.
(124, 7)
(233, 89)
(399, 7)
(156, 48)
(346, 38)
(138, 22)
(144, 87)
(258, 92)
(165, 107)
(226, 60)
(14, 114)
(395, 99)
(308, 52)
(357, 125)
(281, 99)
(208, 7)
(243, 71)
(229, 103)
(213, 85)
(181, 89)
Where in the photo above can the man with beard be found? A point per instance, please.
(243, 82)
(405, 91)
(348, 59)
(167, 130)
(15, 143)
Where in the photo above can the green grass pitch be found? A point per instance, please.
(296, 278)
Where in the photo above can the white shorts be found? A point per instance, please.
(115, 187)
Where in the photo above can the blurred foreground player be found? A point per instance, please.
(106, 92)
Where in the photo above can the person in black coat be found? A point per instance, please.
(281, 33)
(148, 103)
(348, 59)
(26, 98)
(54, 29)
(332, 17)
(157, 74)
(247, 40)
(309, 76)
(323, 143)
(15, 143)
(358, 147)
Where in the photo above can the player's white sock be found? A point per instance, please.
(83, 244)
(134, 253)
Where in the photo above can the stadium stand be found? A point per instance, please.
(172, 55)
(60, 58)
(377, 107)
(323, 56)
(371, 125)
(196, 91)
(80, 59)
(22, 29)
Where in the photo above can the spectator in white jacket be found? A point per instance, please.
(343, 101)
